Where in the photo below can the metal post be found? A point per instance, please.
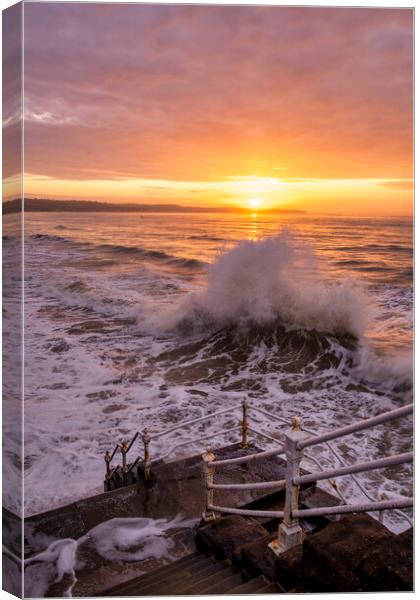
(290, 533)
(146, 457)
(383, 496)
(244, 443)
(208, 475)
(124, 449)
(107, 458)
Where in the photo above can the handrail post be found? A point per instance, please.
(383, 496)
(290, 533)
(244, 443)
(124, 449)
(208, 476)
(146, 456)
(107, 482)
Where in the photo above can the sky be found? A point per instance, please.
(257, 107)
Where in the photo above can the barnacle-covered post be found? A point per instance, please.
(290, 533)
(208, 476)
(124, 449)
(107, 482)
(244, 443)
(146, 454)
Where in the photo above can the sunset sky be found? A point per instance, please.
(208, 105)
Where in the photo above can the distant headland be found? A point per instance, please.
(46, 205)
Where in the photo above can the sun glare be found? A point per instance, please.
(255, 203)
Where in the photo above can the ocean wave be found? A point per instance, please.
(206, 238)
(394, 371)
(269, 294)
(270, 281)
(118, 249)
(154, 255)
(48, 238)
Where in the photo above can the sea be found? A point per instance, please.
(146, 320)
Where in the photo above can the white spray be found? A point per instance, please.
(260, 282)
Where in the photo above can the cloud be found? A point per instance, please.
(199, 92)
(403, 184)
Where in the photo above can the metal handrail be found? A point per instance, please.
(398, 459)
(300, 445)
(269, 437)
(146, 439)
(245, 428)
(332, 450)
(268, 414)
(329, 479)
(358, 426)
(275, 514)
(260, 485)
(290, 533)
(193, 421)
(138, 459)
(111, 456)
(247, 458)
(136, 435)
(336, 455)
(204, 437)
(353, 508)
(357, 482)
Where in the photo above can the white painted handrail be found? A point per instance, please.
(260, 485)
(247, 458)
(398, 459)
(290, 532)
(268, 437)
(312, 440)
(312, 458)
(275, 514)
(358, 426)
(193, 422)
(199, 439)
(353, 508)
(269, 414)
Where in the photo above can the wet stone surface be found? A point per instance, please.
(177, 493)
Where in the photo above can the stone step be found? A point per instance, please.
(223, 586)
(199, 584)
(147, 578)
(194, 574)
(183, 563)
(185, 571)
(250, 586)
(271, 588)
(186, 579)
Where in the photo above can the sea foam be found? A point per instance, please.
(120, 539)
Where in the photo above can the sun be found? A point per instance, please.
(255, 203)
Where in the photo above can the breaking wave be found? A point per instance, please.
(269, 282)
(270, 294)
